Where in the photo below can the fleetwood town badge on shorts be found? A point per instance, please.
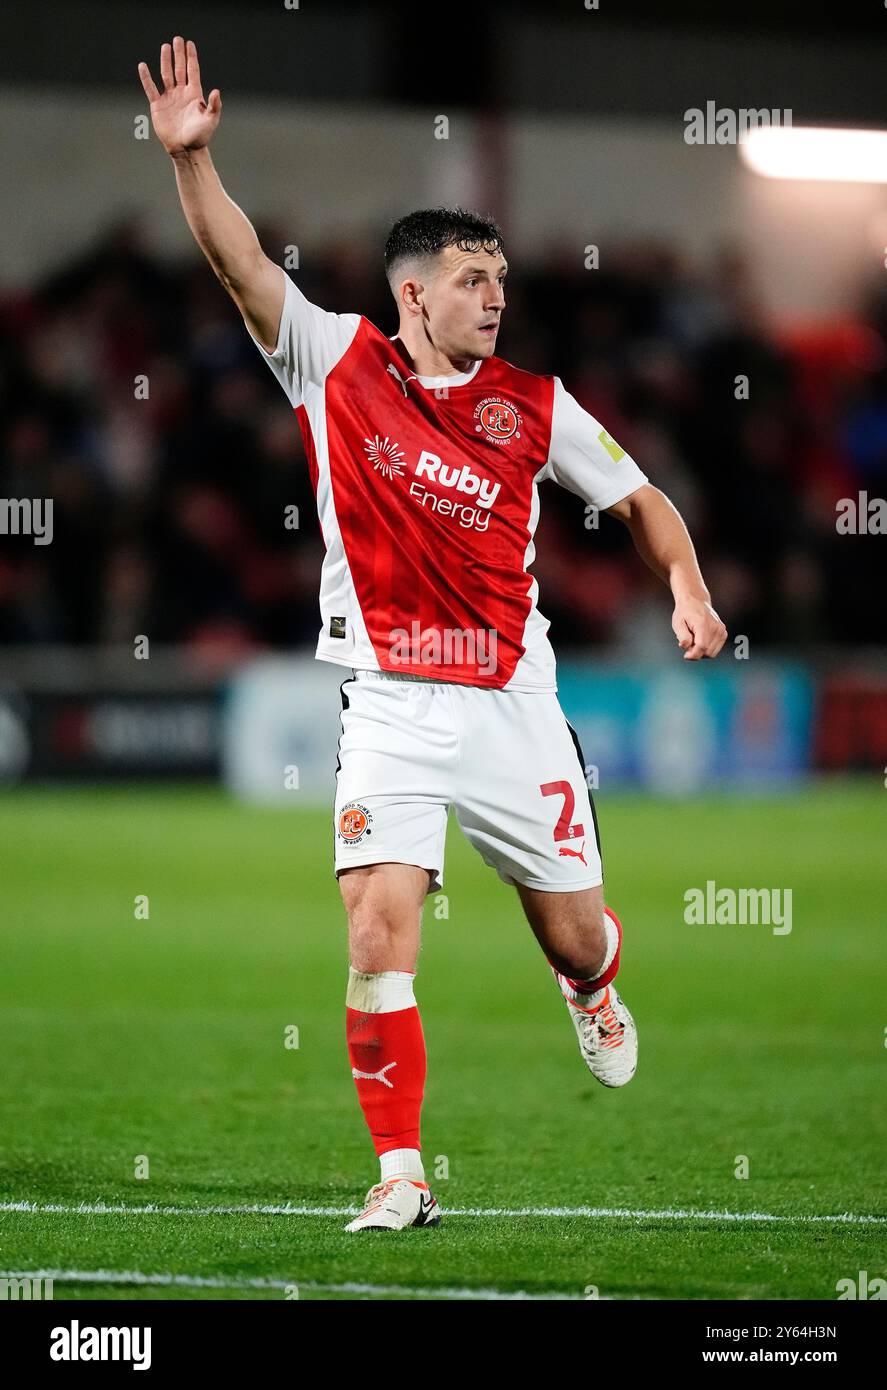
(354, 823)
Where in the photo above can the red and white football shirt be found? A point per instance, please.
(427, 494)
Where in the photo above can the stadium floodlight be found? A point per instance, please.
(814, 152)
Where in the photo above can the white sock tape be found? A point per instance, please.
(384, 993)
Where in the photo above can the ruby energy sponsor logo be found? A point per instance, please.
(385, 456)
(388, 459)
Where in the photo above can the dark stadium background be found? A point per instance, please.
(168, 512)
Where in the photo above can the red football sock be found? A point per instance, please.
(387, 1050)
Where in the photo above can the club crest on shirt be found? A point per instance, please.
(498, 419)
(354, 823)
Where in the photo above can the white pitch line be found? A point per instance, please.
(135, 1277)
(288, 1209)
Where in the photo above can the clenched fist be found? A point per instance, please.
(698, 628)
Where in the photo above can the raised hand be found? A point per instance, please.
(181, 118)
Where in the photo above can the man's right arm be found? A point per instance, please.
(227, 238)
(184, 123)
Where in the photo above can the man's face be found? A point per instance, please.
(462, 302)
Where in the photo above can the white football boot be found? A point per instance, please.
(395, 1204)
(608, 1038)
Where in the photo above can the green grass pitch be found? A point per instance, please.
(165, 1038)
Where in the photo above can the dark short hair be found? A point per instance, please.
(424, 234)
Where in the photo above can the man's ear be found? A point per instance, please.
(411, 296)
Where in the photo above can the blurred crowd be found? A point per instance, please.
(169, 512)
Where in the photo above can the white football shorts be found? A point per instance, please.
(506, 761)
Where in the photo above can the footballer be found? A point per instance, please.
(426, 451)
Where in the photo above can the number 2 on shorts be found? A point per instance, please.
(564, 830)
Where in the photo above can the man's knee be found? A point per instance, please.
(595, 952)
(384, 907)
(581, 948)
(570, 928)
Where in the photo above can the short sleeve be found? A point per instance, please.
(584, 458)
(310, 341)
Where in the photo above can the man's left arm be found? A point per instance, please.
(587, 460)
(663, 542)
